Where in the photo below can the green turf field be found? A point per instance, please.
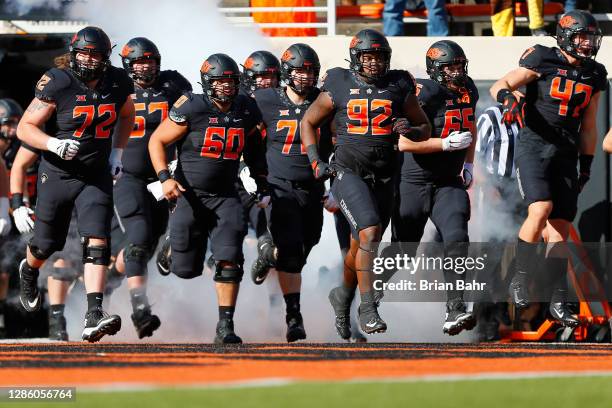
(584, 392)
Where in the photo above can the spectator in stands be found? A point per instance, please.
(502, 17)
(437, 22)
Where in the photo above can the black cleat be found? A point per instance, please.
(357, 336)
(342, 309)
(145, 322)
(164, 260)
(518, 290)
(457, 318)
(264, 261)
(370, 322)
(98, 323)
(561, 313)
(225, 333)
(29, 295)
(57, 327)
(295, 328)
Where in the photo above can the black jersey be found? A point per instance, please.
(209, 154)
(364, 114)
(447, 111)
(151, 105)
(555, 102)
(31, 175)
(84, 114)
(285, 153)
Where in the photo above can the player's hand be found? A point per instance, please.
(322, 170)
(23, 219)
(248, 182)
(114, 161)
(330, 203)
(512, 110)
(262, 194)
(172, 189)
(401, 126)
(467, 175)
(457, 141)
(65, 149)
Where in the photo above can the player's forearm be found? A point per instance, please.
(4, 181)
(125, 124)
(498, 86)
(471, 151)
(157, 151)
(431, 145)
(308, 133)
(588, 141)
(32, 135)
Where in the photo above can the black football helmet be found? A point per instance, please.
(442, 53)
(10, 113)
(577, 22)
(299, 56)
(369, 40)
(219, 66)
(90, 40)
(140, 48)
(258, 63)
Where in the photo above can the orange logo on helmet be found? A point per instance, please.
(248, 64)
(354, 42)
(567, 21)
(287, 55)
(125, 51)
(205, 67)
(434, 53)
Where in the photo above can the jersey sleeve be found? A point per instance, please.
(51, 84)
(427, 96)
(178, 82)
(253, 115)
(330, 82)
(532, 58)
(602, 78)
(181, 109)
(407, 83)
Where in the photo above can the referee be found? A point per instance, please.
(499, 189)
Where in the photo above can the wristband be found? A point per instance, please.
(313, 153)
(164, 175)
(586, 160)
(16, 201)
(502, 94)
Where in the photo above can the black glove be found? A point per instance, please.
(512, 109)
(322, 170)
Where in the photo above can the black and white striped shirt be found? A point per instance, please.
(496, 142)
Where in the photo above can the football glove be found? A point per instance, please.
(66, 149)
(457, 141)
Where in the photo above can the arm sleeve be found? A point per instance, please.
(179, 113)
(50, 84)
(532, 59)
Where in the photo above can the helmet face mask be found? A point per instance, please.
(446, 63)
(141, 60)
(10, 114)
(300, 68)
(220, 78)
(90, 50)
(370, 54)
(261, 70)
(578, 34)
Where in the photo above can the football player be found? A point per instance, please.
(211, 131)
(88, 100)
(140, 215)
(296, 217)
(363, 101)
(563, 85)
(261, 70)
(435, 174)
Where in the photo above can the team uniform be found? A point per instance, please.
(296, 217)
(364, 154)
(208, 162)
(140, 217)
(430, 184)
(89, 116)
(547, 150)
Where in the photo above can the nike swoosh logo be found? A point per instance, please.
(236, 120)
(35, 303)
(371, 324)
(157, 94)
(382, 90)
(105, 96)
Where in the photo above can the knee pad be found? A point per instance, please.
(97, 255)
(291, 264)
(136, 253)
(228, 274)
(64, 274)
(41, 253)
